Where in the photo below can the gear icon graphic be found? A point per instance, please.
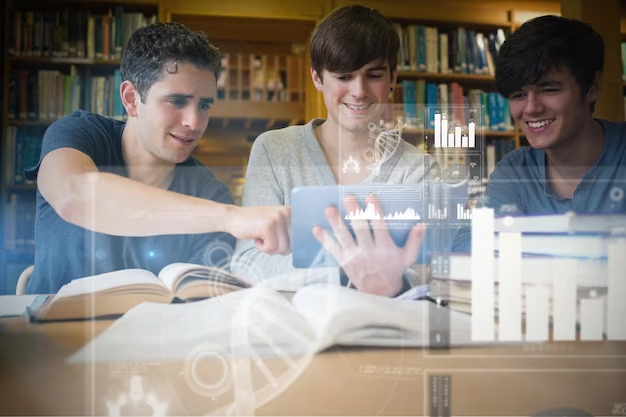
(351, 165)
(137, 401)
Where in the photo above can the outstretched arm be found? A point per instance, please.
(70, 181)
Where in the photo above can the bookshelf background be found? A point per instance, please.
(266, 84)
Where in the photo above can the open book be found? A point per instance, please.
(262, 322)
(114, 293)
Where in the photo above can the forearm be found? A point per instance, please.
(115, 205)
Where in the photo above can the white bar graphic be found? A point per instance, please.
(510, 287)
(564, 273)
(472, 134)
(436, 214)
(482, 275)
(457, 136)
(591, 319)
(437, 130)
(462, 213)
(464, 141)
(450, 140)
(537, 299)
(616, 297)
(444, 129)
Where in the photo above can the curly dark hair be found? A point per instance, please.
(351, 37)
(545, 43)
(152, 48)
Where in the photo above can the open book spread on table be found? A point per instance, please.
(114, 293)
(260, 321)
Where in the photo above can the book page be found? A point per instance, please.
(333, 310)
(348, 316)
(254, 321)
(173, 275)
(107, 281)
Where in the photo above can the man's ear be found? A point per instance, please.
(130, 97)
(317, 80)
(595, 88)
(394, 78)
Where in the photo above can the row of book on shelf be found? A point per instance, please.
(47, 95)
(74, 33)
(23, 148)
(495, 150)
(459, 50)
(19, 223)
(450, 99)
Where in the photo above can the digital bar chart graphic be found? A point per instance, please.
(435, 213)
(527, 311)
(457, 136)
(462, 213)
(370, 213)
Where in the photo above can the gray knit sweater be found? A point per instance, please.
(286, 158)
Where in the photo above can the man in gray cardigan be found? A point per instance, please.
(353, 63)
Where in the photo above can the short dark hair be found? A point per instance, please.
(544, 43)
(352, 36)
(152, 48)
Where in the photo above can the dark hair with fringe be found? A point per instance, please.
(546, 43)
(153, 48)
(351, 37)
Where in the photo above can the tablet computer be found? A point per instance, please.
(402, 205)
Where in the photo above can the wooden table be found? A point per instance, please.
(505, 381)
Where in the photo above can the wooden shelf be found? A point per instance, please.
(447, 77)
(61, 61)
(30, 122)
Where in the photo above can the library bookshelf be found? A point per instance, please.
(266, 83)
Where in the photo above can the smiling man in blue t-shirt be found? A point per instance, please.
(116, 195)
(551, 72)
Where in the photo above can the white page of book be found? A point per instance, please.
(251, 321)
(107, 281)
(340, 314)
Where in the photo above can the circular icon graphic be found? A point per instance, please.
(455, 175)
(206, 371)
(617, 194)
(218, 254)
(369, 154)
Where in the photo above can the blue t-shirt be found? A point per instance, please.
(518, 185)
(64, 252)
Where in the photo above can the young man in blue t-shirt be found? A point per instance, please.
(551, 72)
(115, 195)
